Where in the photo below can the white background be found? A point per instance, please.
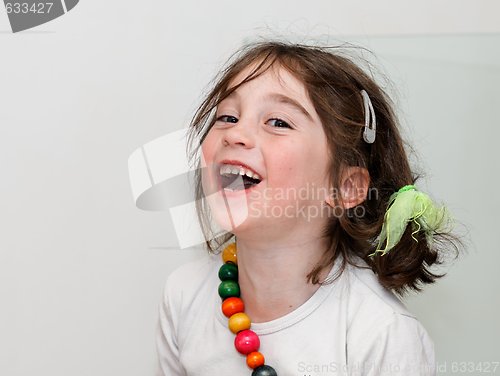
(82, 269)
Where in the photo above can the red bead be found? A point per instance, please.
(246, 342)
(255, 359)
(232, 305)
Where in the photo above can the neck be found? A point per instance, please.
(273, 276)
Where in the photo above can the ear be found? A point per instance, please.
(354, 185)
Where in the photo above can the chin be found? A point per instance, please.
(229, 213)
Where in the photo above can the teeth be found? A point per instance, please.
(231, 169)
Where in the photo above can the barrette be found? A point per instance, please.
(369, 132)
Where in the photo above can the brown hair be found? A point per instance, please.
(333, 83)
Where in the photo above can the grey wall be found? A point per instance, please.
(448, 96)
(81, 268)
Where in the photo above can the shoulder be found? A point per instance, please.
(185, 283)
(381, 330)
(190, 276)
(197, 267)
(368, 299)
(399, 346)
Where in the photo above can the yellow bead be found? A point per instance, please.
(238, 322)
(229, 254)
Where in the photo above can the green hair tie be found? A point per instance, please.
(407, 188)
(406, 205)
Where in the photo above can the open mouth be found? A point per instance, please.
(237, 178)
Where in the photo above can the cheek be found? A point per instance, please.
(287, 165)
(208, 150)
(298, 165)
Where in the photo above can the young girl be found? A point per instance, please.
(303, 167)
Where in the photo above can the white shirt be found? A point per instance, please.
(350, 327)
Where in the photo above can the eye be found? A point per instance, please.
(227, 119)
(278, 123)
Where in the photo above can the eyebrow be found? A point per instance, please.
(281, 98)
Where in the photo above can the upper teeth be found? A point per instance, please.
(238, 170)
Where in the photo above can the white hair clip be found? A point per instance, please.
(369, 132)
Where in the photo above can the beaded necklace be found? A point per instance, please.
(247, 341)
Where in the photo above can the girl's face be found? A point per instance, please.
(269, 129)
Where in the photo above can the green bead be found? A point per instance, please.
(228, 271)
(228, 289)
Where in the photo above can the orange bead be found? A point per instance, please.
(238, 322)
(229, 254)
(255, 359)
(232, 305)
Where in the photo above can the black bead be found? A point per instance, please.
(264, 371)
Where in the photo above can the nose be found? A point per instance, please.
(241, 133)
